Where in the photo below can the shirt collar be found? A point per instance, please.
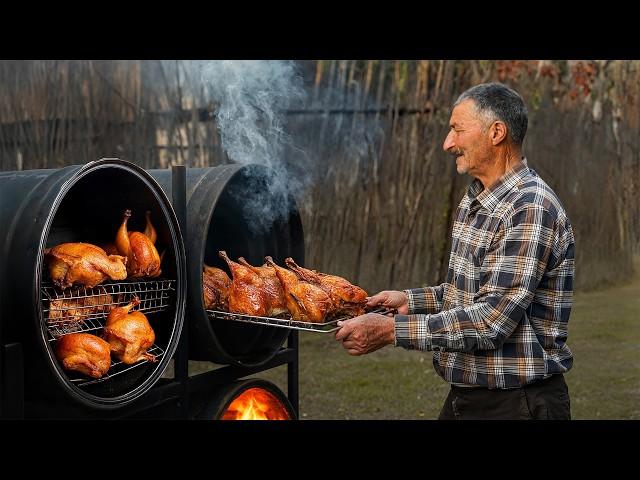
(490, 197)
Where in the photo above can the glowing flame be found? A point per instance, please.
(256, 404)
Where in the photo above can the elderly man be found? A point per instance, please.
(498, 324)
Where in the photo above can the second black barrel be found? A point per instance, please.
(237, 209)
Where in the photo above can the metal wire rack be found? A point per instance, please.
(323, 327)
(116, 368)
(84, 309)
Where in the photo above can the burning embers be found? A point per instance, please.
(256, 404)
(277, 292)
(127, 334)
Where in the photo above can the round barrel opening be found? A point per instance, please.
(90, 209)
(251, 399)
(240, 210)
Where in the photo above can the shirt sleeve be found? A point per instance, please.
(509, 274)
(425, 300)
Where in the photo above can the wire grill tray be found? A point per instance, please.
(323, 327)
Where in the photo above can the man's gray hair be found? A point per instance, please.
(496, 101)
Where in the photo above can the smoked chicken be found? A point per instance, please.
(306, 302)
(247, 294)
(142, 257)
(215, 286)
(348, 299)
(81, 306)
(272, 287)
(84, 353)
(129, 334)
(83, 264)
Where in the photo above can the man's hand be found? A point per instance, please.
(366, 333)
(390, 299)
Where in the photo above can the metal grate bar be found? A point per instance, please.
(324, 327)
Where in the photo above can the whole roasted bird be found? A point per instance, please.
(247, 294)
(272, 287)
(348, 299)
(83, 264)
(84, 353)
(306, 302)
(142, 257)
(215, 287)
(81, 305)
(129, 334)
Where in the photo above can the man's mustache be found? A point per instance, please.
(455, 152)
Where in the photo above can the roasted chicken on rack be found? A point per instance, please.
(83, 264)
(215, 286)
(348, 299)
(247, 294)
(306, 302)
(81, 305)
(84, 353)
(272, 287)
(129, 334)
(142, 256)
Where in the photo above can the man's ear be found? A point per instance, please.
(498, 132)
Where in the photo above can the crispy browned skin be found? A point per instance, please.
(129, 334)
(142, 256)
(247, 294)
(272, 288)
(306, 302)
(83, 264)
(215, 288)
(81, 307)
(84, 353)
(348, 299)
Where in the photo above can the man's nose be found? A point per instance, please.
(448, 142)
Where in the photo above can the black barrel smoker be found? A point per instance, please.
(42, 208)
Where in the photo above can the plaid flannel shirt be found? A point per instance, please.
(500, 319)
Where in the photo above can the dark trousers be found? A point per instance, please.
(543, 400)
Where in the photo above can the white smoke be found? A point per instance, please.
(251, 98)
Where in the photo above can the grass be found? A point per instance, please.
(393, 383)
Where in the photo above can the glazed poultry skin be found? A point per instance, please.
(84, 353)
(83, 264)
(129, 334)
(272, 288)
(139, 249)
(306, 302)
(215, 287)
(247, 294)
(81, 306)
(348, 299)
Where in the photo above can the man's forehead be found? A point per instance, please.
(463, 112)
